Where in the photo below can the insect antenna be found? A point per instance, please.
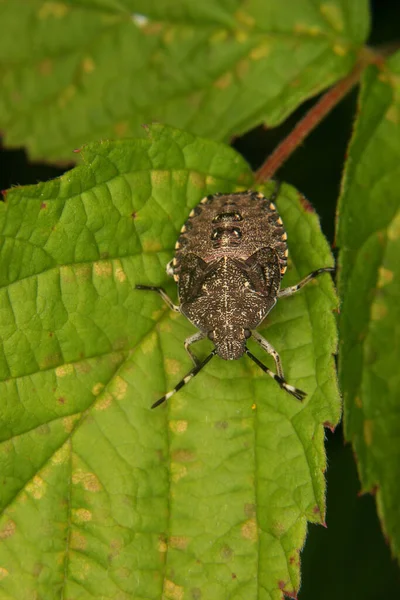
(289, 388)
(186, 379)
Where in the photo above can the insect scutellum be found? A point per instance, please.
(229, 260)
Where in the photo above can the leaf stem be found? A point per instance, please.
(315, 115)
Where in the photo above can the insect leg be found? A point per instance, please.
(196, 337)
(265, 345)
(280, 381)
(162, 293)
(185, 380)
(295, 288)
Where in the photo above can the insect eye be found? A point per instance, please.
(247, 333)
(210, 335)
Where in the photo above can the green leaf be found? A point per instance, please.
(369, 237)
(77, 71)
(207, 496)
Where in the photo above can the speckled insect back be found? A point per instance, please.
(230, 258)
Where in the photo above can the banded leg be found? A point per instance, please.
(161, 291)
(295, 288)
(265, 345)
(196, 337)
(279, 380)
(185, 380)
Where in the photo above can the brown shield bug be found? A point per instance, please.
(230, 258)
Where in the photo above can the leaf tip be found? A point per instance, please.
(330, 426)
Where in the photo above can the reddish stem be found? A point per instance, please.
(314, 116)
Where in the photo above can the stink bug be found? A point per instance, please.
(230, 258)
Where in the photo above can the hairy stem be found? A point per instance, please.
(315, 115)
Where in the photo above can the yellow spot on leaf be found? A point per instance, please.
(384, 277)
(332, 13)
(3, 573)
(151, 245)
(178, 471)
(45, 67)
(178, 541)
(392, 114)
(196, 179)
(249, 530)
(244, 18)
(173, 591)
(61, 455)
(162, 545)
(88, 65)
(393, 231)
(378, 311)
(260, 51)
(77, 540)
(120, 273)
(220, 35)
(242, 68)
(183, 455)
(104, 402)
(160, 177)
(66, 96)
(178, 426)
(149, 344)
(53, 9)
(340, 50)
(164, 326)
(89, 481)
(210, 180)
(82, 515)
(358, 402)
(302, 28)
(69, 422)
(172, 366)
(121, 128)
(119, 388)
(64, 370)
(169, 35)
(253, 406)
(241, 36)
(36, 488)
(103, 268)
(8, 530)
(368, 431)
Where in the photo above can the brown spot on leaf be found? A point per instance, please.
(173, 591)
(250, 510)
(183, 455)
(8, 530)
(226, 552)
(329, 425)
(179, 541)
(249, 530)
(306, 204)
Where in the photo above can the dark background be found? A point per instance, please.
(350, 559)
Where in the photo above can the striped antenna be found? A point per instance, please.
(185, 380)
(289, 388)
